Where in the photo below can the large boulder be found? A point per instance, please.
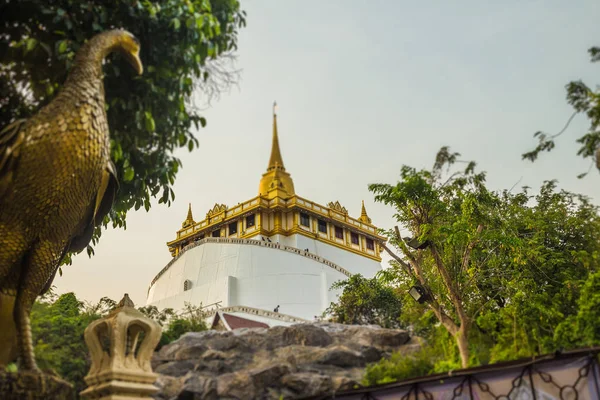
(282, 362)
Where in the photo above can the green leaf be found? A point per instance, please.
(128, 174)
(30, 44)
(62, 46)
(176, 23)
(150, 124)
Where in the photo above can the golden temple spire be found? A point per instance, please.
(276, 182)
(363, 214)
(275, 160)
(189, 220)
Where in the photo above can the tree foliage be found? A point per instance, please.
(400, 366)
(583, 100)
(185, 45)
(57, 326)
(190, 319)
(501, 270)
(365, 301)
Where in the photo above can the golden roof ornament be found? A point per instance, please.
(363, 214)
(217, 209)
(56, 179)
(337, 207)
(189, 220)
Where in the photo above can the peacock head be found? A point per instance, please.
(129, 46)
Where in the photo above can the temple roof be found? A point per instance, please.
(232, 322)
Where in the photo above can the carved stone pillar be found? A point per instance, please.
(121, 346)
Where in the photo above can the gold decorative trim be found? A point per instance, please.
(337, 207)
(217, 209)
(221, 215)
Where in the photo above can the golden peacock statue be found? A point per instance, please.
(57, 182)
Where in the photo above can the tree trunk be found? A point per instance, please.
(463, 345)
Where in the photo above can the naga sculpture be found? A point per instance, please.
(57, 182)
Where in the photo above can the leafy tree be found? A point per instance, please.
(365, 301)
(162, 317)
(185, 45)
(57, 326)
(446, 220)
(559, 241)
(583, 328)
(191, 319)
(588, 314)
(584, 100)
(493, 267)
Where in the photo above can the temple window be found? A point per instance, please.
(322, 226)
(233, 228)
(187, 285)
(304, 219)
(370, 244)
(339, 232)
(250, 220)
(216, 233)
(354, 237)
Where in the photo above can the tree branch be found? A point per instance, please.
(400, 261)
(454, 296)
(469, 249)
(417, 272)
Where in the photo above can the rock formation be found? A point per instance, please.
(282, 362)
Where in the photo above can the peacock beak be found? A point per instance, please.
(136, 63)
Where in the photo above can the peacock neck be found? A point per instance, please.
(86, 79)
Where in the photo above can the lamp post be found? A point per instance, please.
(418, 293)
(415, 244)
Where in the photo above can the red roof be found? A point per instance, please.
(236, 322)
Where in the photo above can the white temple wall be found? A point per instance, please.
(248, 275)
(354, 263)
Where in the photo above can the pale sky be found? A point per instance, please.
(364, 87)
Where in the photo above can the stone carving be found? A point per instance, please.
(337, 207)
(121, 346)
(298, 361)
(217, 209)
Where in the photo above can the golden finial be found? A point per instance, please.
(276, 177)
(189, 220)
(276, 160)
(363, 214)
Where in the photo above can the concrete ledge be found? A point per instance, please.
(259, 312)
